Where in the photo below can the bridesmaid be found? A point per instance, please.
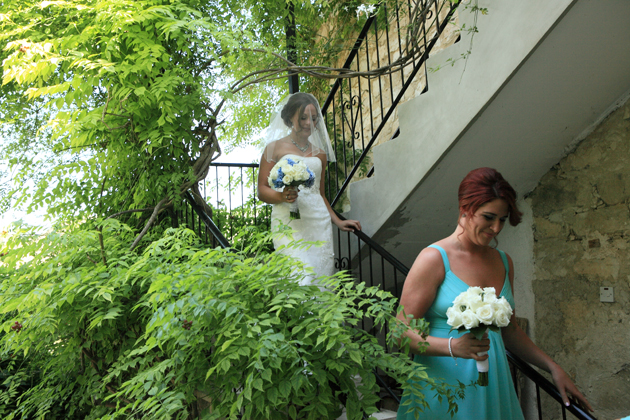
(449, 267)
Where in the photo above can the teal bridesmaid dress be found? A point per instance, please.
(497, 401)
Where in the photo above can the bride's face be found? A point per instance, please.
(304, 122)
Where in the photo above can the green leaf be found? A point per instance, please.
(266, 374)
(356, 357)
(272, 394)
(258, 384)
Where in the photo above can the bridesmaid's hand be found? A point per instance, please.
(467, 347)
(566, 386)
(289, 194)
(349, 225)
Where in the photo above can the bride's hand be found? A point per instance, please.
(349, 225)
(289, 194)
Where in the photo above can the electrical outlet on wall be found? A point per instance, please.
(606, 294)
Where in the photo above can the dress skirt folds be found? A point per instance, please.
(314, 225)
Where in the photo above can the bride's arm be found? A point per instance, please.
(268, 194)
(346, 225)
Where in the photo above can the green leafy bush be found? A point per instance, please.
(176, 330)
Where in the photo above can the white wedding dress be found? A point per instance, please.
(314, 225)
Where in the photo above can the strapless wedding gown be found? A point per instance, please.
(314, 225)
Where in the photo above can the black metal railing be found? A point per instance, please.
(198, 220)
(231, 190)
(368, 261)
(372, 265)
(358, 110)
(540, 382)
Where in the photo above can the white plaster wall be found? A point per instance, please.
(518, 242)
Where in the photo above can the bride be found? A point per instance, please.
(298, 131)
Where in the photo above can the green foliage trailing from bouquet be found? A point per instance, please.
(176, 330)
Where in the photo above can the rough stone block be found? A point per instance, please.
(551, 198)
(609, 219)
(612, 189)
(604, 268)
(547, 229)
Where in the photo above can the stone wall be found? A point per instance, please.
(581, 224)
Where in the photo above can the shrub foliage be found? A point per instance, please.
(177, 330)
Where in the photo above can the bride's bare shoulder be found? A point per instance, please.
(278, 148)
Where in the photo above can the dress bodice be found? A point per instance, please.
(452, 286)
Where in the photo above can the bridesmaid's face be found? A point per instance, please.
(487, 221)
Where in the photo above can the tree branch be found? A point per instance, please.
(120, 213)
(88, 257)
(95, 366)
(109, 98)
(100, 240)
(156, 210)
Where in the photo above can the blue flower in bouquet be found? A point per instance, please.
(311, 179)
(277, 183)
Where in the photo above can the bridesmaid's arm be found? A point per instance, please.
(520, 344)
(345, 225)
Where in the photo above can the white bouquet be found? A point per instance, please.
(291, 172)
(477, 310)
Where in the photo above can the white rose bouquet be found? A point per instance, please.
(477, 310)
(291, 172)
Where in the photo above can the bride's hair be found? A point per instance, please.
(483, 185)
(297, 102)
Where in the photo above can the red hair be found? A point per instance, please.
(483, 185)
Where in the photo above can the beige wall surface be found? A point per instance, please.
(581, 226)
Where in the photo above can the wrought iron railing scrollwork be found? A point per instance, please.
(342, 263)
(358, 110)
